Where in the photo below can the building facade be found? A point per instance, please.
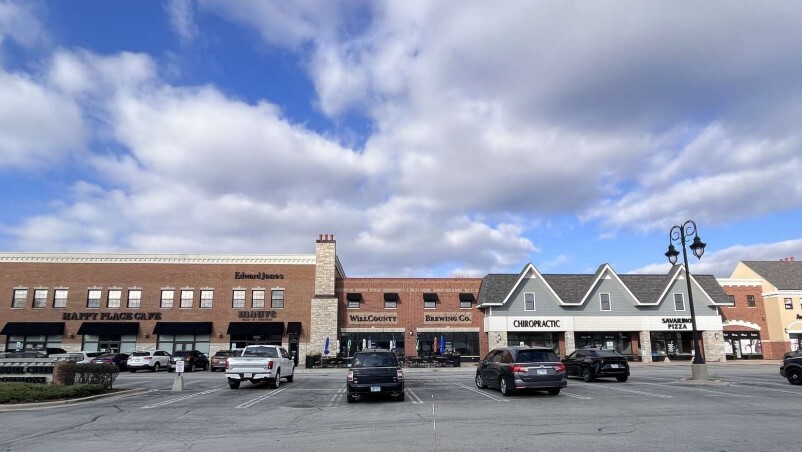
(745, 326)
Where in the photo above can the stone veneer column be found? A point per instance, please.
(713, 347)
(570, 342)
(324, 303)
(646, 346)
(496, 339)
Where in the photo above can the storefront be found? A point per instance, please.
(33, 335)
(354, 340)
(117, 337)
(243, 334)
(173, 336)
(743, 345)
(534, 339)
(620, 342)
(672, 344)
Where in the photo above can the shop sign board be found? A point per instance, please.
(538, 323)
(29, 371)
(372, 317)
(111, 316)
(447, 317)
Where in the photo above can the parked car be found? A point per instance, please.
(193, 359)
(375, 372)
(153, 360)
(260, 363)
(218, 361)
(592, 363)
(513, 368)
(118, 359)
(82, 357)
(791, 368)
(30, 353)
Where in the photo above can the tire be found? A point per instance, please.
(349, 398)
(156, 367)
(291, 377)
(587, 375)
(399, 397)
(794, 376)
(233, 384)
(479, 382)
(554, 391)
(622, 378)
(504, 387)
(169, 371)
(132, 370)
(277, 381)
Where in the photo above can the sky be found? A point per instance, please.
(433, 139)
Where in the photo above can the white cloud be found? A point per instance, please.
(18, 21)
(182, 18)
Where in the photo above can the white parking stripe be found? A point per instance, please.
(178, 399)
(765, 389)
(577, 396)
(252, 402)
(694, 388)
(490, 396)
(633, 391)
(337, 396)
(415, 399)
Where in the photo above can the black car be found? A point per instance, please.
(511, 368)
(791, 368)
(592, 363)
(375, 373)
(193, 359)
(118, 359)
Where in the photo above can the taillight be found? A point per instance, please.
(227, 363)
(270, 364)
(351, 375)
(517, 369)
(400, 374)
(559, 367)
(148, 357)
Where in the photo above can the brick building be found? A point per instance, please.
(745, 326)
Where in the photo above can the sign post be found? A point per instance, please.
(178, 383)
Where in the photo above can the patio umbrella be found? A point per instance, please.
(370, 343)
(442, 345)
(392, 344)
(349, 346)
(364, 344)
(417, 345)
(337, 346)
(434, 345)
(326, 347)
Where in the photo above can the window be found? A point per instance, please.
(277, 298)
(19, 298)
(93, 298)
(40, 298)
(604, 300)
(732, 300)
(207, 298)
(114, 297)
(60, 298)
(529, 301)
(187, 297)
(239, 299)
(167, 299)
(353, 300)
(750, 301)
(789, 304)
(679, 302)
(259, 299)
(391, 303)
(134, 298)
(429, 300)
(465, 300)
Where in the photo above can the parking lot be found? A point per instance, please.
(752, 408)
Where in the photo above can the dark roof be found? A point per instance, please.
(646, 288)
(570, 288)
(495, 287)
(710, 284)
(783, 275)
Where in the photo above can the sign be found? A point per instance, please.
(539, 324)
(447, 317)
(676, 323)
(111, 316)
(179, 365)
(258, 275)
(373, 317)
(257, 315)
(15, 371)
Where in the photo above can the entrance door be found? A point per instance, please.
(294, 348)
(183, 346)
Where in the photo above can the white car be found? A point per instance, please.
(153, 360)
(81, 357)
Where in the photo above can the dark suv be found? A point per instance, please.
(219, 358)
(592, 363)
(511, 368)
(791, 368)
(375, 373)
(193, 359)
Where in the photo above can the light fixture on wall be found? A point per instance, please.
(220, 335)
(72, 336)
(147, 336)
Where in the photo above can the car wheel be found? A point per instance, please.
(587, 375)
(156, 367)
(554, 391)
(504, 387)
(399, 397)
(290, 378)
(132, 370)
(170, 370)
(277, 380)
(233, 384)
(479, 382)
(794, 376)
(349, 398)
(622, 378)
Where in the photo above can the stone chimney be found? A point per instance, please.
(324, 302)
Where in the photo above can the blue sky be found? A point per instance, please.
(432, 138)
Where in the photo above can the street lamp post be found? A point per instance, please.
(681, 234)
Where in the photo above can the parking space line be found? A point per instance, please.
(178, 399)
(693, 388)
(765, 389)
(633, 391)
(337, 395)
(252, 402)
(577, 396)
(415, 399)
(490, 396)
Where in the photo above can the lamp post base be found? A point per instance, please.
(699, 372)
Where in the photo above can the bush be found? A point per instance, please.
(31, 392)
(102, 375)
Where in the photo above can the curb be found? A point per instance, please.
(57, 403)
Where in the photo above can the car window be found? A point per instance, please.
(140, 354)
(266, 352)
(572, 355)
(605, 353)
(182, 353)
(375, 360)
(489, 356)
(536, 356)
(496, 358)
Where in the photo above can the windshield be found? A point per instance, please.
(140, 354)
(225, 353)
(375, 360)
(268, 352)
(182, 353)
(536, 356)
(605, 353)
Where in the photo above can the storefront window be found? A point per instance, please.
(171, 343)
(550, 340)
(109, 343)
(618, 341)
(32, 342)
(463, 343)
(239, 341)
(351, 343)
(674, 345)
(742, 345)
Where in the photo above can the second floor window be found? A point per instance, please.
(258, 299)
(277, 298)
(20, 295)
(187, 297)
(60, 298)
(679, 302)
(732, 300)
(789, 304)
(114, 298)
(40, 298)
(134, 298)
(604, 300)
(750, 301)
(93, 298)
(167, 298)
(239, 299)
(529, 301)
(207, 298)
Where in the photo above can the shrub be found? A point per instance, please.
(31, 392)
(102, 375)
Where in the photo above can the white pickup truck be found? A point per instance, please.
(260, 363)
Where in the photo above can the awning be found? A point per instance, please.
(293, 327)
(466, 297)
(109, 328)
(183, 328)
(257, 328)
(429, 296)
(356, 296)
(31, 328)
(391, 296)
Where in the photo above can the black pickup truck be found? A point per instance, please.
(791, 367)
(375, 373)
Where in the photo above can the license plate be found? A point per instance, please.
(375, 389)
(614, 366)
(247, 375)
(542, 371)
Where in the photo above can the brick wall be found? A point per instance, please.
(742, 318)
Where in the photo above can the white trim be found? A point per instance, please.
(609, 302)
(529, 268)
(446, 329)
(739, 282)
(783, 293)
(675, 302)
(132, 258)
(534, 302)
(605, 274)
(742, 323)
(372, 330)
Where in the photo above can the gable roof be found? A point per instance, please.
(495, 287)
(569, 288)
(605, 268)
(783, 275)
